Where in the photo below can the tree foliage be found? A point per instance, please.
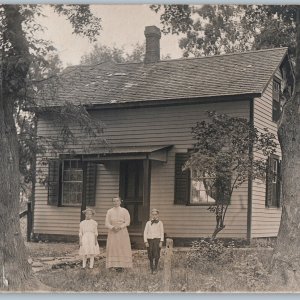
(22, 53)
(102, 53)
(217, 29)
(224, 152)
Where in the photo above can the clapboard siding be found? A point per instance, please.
(265, 221)
(141, 127)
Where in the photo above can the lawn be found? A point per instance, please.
(208, 268)
(239, 276)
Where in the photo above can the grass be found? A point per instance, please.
(245, 274)
(236, 270)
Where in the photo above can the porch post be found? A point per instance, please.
(146, 191)
(84, 181)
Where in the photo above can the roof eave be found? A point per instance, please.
(285, 55)
(180, 101)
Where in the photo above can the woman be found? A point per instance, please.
(118, 248)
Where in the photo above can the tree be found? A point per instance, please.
(102, 53)
(217, 29)
(285, 265)
(18, 50)
(26, 124)
(223, 158)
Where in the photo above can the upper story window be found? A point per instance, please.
(276, 109)
(273, 188)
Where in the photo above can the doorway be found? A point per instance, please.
(132, 191)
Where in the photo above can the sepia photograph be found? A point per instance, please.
(149, 148)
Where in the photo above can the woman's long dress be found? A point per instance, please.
(88, 233)
(118, 248)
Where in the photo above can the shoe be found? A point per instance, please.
(119, 270)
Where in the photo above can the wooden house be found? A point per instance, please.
(148, 110)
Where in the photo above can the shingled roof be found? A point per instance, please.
(221, 75)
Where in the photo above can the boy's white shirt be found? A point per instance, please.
(154, 231)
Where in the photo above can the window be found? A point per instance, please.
(273, 189)
(72, 181)
(276, 109)
(203, 189)
(66, 180)
(197, 190)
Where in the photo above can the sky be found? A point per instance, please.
(123, 26)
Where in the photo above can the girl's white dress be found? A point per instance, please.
(88, 233)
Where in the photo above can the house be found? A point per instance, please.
(148, 109)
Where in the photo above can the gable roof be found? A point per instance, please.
(222, 75)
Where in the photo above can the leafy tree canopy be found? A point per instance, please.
(102, 53)
(217, 29)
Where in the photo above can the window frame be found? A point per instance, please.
(185, 176)
(63, 181)
(275, 172)
(190, 203)
(276, 103)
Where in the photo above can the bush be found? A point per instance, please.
(251, 272)
(210, 251)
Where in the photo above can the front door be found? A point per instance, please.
(131, 191)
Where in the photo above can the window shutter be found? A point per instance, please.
(269, 183)
(223, 190)
(122, 179)
(276, 90)
(54, 178)
(182, 180)
(279, 184)
(91, 184)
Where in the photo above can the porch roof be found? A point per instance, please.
(152, 152)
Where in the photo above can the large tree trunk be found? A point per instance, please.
(14, 265)
(15, 271)
(285, 266)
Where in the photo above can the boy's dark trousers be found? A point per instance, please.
(153, 253)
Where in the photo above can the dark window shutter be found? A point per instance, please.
(182, 180)
(279, 183)
(122, 179)
(54, 184)
(269, 183)
(223, 190)
(276, 90)
(276, 101)
(91, 184)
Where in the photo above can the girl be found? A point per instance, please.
(88, 238)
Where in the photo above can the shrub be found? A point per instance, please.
(210, 251)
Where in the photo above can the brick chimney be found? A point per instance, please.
(152, 34)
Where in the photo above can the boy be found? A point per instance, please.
(153, 238)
